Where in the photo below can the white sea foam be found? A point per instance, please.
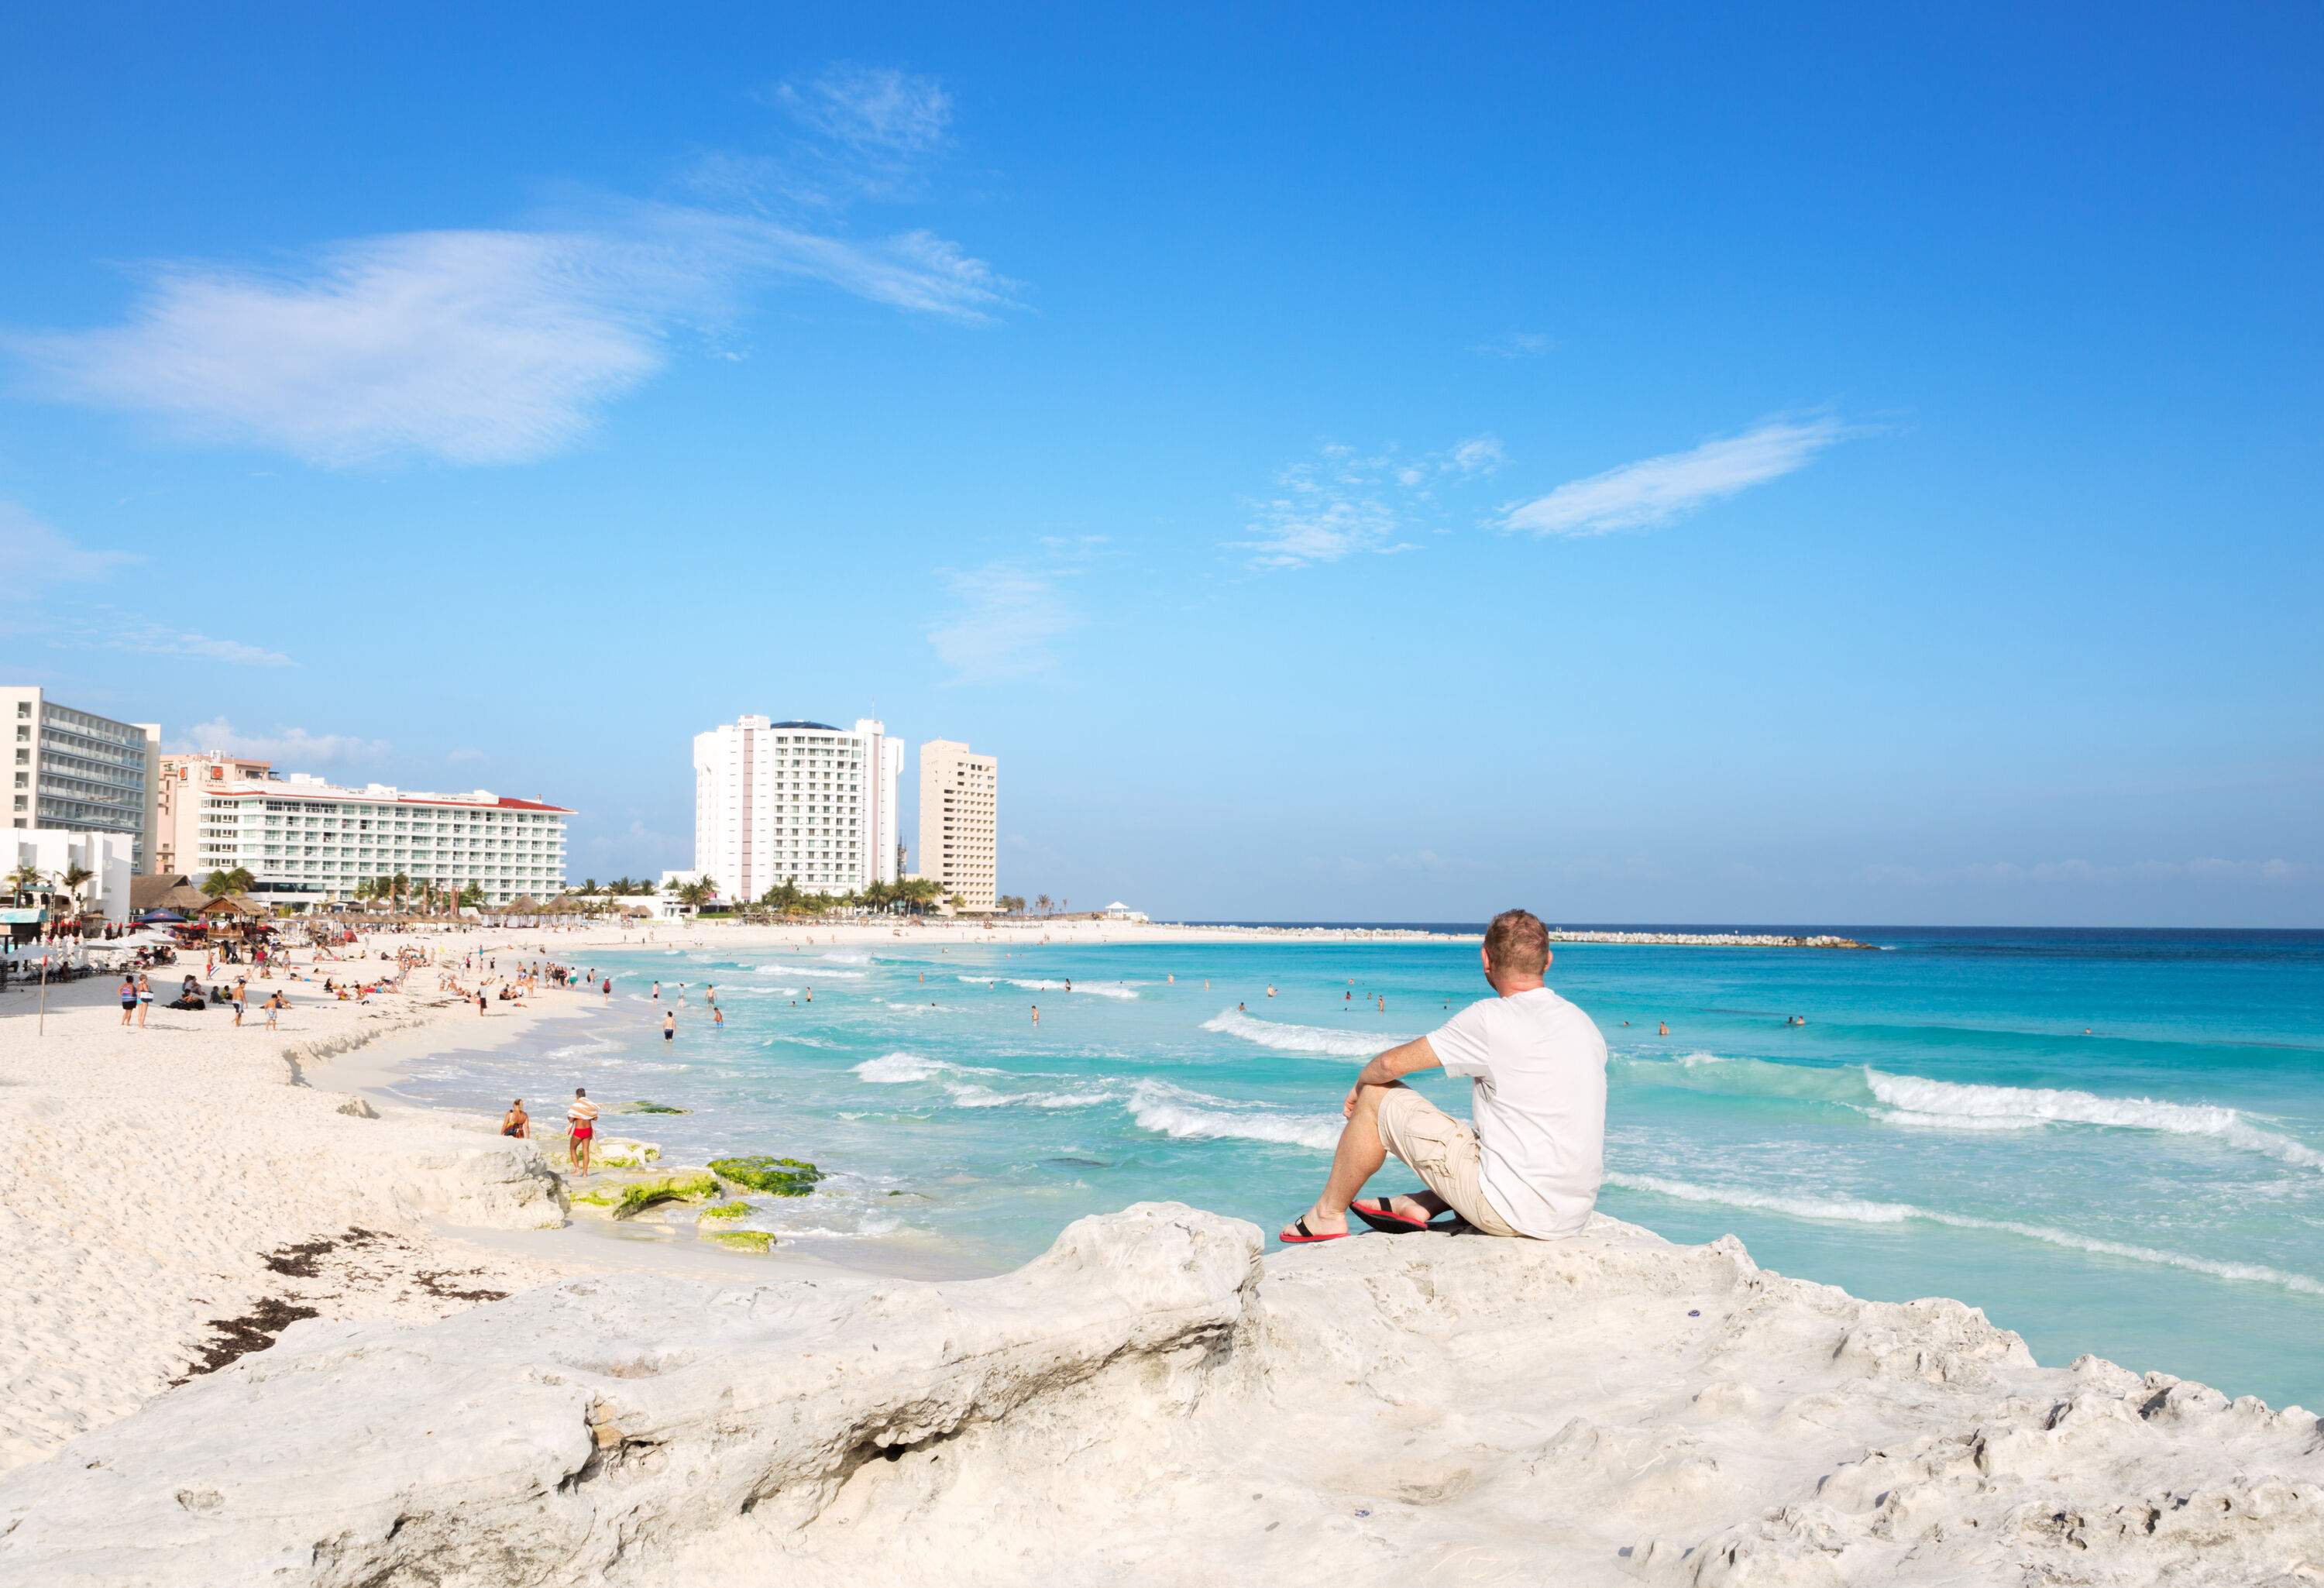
(890, 1069)
(824, 973)
(1849, 1210)
(1289, 1038)
(970, 1094)
(1973, 1107)
(848, 958)
(1097, 989)
(1172, 1111)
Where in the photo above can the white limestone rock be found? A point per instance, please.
(1150, 1403)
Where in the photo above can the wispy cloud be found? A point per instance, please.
(1002, 623)
(33, 553)
(282, 745)
(1342, 502)
(497, 347)
(101, 627)
(466, 755)
(470, 347)
(1515, 344)
(160, 640)
(871, 107)
(1656, 490)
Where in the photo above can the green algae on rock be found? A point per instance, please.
(646, 1194)
(642, 1106)
(726, 1210)
(743, 1240)
(778, 1176)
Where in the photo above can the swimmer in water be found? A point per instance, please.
(1036, 1014)
(1664, 1029)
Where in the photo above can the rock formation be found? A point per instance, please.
(1151, 1403)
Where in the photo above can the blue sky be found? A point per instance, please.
(1694, 464)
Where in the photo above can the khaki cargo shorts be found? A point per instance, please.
(1443, 1151)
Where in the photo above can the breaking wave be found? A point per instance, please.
(1286, 1037)
(1172, 1111)
(1039, 985)
(1950, 1106)
(1854, 1210)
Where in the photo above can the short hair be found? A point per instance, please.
(1518, 941)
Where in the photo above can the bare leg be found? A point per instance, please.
(1356, 1158)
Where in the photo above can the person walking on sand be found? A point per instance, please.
(1532, 1163)
(128, 998)
(580, 1129)
(145, 997)
(241, 996)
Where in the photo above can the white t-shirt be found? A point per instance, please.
(1538, 1064)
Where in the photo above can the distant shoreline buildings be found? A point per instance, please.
(309, 842)
(816, 805)
(91, 794)
(959, 818)
(796, 801)
(74, 771)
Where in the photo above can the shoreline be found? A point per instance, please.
(222, 1236)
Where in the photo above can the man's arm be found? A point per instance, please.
(1389, 1067)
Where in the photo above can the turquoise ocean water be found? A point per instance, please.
(2151, 1190)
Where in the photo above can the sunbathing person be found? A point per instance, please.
(1533, 1162)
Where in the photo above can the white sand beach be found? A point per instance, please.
(1151, 1402)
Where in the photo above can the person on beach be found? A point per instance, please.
(273, 1006)
(145, 997)
(516, 1121)
(580, 1129)
(1532, 1164)
(669, 1026)
(241, 996)
(128, 998)
(717, 1015)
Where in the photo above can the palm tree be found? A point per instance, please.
(25, 879)
(588, 884)
(1043, 902)
(76, 877)
(472, 897)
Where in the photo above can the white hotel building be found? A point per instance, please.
(309, 843)
(796, 801)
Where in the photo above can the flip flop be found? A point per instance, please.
(1387, 1220)
(1306, 1235)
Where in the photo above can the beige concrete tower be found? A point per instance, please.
(959, 796)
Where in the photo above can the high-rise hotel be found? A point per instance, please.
(77, 771)
(796, 801)
(959, 799)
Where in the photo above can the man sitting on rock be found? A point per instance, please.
(1531, 1165)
